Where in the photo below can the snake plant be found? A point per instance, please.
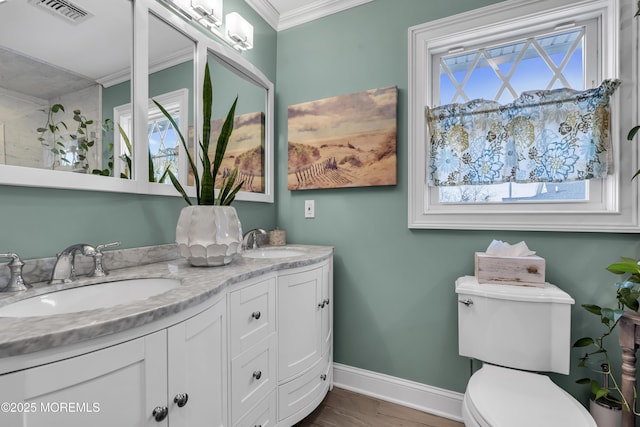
(205, 185)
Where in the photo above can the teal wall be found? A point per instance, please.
(39, 222)
(395, 307)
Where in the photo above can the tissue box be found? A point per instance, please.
(510, 270)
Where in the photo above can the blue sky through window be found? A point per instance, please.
(529, 71)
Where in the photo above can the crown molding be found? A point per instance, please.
(266, 10)
(301, 15)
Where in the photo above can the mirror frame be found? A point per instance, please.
(205, 44)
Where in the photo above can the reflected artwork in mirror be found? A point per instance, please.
(58, 72)
(246, 149)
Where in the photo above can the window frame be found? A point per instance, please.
(123, 114)
(615, 205)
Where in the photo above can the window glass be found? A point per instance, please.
(549, 60)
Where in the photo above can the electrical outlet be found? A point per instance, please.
(309, 208)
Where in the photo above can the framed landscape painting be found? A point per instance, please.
(343, 141)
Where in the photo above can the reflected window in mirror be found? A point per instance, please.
(246, 148)
(171, 84)
(52, 98)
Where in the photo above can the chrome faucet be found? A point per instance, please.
(251, 236)
(16, 282)
(99, 270)
(64, 271)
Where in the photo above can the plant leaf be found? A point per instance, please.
(624, 267)
(152, 175)
(228, 193)
(583, 342)
(208, 179)
(592, 308)
(178, 186)
(186, 150)
(223, 138)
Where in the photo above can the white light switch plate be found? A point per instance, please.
(309, 208)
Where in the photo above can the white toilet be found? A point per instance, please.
(516, 331)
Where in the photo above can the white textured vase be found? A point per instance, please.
(209, 235)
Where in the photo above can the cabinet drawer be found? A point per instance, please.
(307, 389)
(263, 415)
(252, 315)
(253, 376)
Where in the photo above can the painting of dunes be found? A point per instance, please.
(343, 141)
(245, 150)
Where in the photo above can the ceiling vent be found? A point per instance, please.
(64, 9)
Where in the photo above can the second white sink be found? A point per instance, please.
(90, 297)
(273, 252)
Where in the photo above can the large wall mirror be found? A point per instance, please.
(246, 149)
(56, 66)
(70, 119)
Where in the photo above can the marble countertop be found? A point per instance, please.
(30, 334)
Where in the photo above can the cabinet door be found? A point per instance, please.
(299, 322)
(198, 369)
(116, 386)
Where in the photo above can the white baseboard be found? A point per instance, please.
(436, 401)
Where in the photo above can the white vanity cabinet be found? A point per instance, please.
(304, 340)
(257, 353)
(123, 384)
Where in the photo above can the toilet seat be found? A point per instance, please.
(504, 397)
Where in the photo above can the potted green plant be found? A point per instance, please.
(607, 400)
(210, 233)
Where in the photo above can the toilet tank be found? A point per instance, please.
(521, 327)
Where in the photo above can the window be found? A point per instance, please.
(544, 60)
(164, 144)
(496, 53)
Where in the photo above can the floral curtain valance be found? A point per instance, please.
(543, 136)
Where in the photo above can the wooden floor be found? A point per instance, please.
(343, 408)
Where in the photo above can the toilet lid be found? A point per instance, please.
(503, 397)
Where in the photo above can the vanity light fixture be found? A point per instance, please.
(238, 31)
(209, 11)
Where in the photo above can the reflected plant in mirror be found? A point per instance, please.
(60, 76)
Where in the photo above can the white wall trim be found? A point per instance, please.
(301, 15)
(266, 10)
(426, 398)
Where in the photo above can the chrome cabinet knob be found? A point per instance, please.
(326, 301)
(323, 377)
(257, 374)
(181, 399)
(160, 413)
(256, 315)
(466, 302)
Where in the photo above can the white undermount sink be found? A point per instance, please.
(273, 252)
(90, 297)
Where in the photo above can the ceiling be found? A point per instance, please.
(284, 14)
